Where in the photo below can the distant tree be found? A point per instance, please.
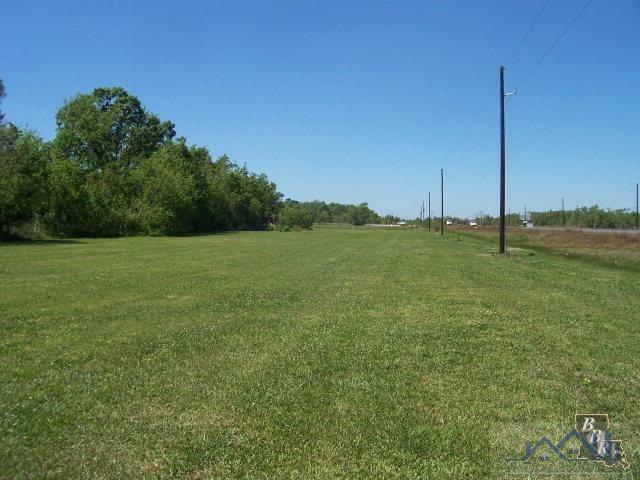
(2, 95)
(333, 212)
(295, 216)
(360, 214)
(389, 219)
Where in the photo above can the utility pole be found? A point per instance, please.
(429, 211)
(563, 220)
(422, 215)
(578, 216)
(441, 201)
(502, 162)
(636, 205)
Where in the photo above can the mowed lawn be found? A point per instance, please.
(332, 353)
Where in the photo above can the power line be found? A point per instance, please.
(475, 118)
(480, 137)
(535, 20)
(564, 32)
(495, 84)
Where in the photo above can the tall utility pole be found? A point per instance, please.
(637, 206)
(578, 216)
(563, 221)
(429, 211)
(441, 201)
(502, 162)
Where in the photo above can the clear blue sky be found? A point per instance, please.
(355, 101)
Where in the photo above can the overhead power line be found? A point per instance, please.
(477, 115)
(493, 120)
(495, 84)
(564, 32)
(535, 20)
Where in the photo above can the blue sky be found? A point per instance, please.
(355, 101)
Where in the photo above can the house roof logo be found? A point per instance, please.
(590, 440)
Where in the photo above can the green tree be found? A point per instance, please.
(293, 216)
(23, 165)
(108, 127)
(165, 192)
(23, 182)
(67, 203)
(360, 214)
(2, 95)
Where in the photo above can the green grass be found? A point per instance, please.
(333, 353)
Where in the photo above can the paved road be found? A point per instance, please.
(594, 230)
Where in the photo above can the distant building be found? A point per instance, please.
(473, 223)
(449, 222)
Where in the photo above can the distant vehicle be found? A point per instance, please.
(527, 224)
(449, 222)
(473, 223)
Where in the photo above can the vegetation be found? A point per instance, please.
(322, 212)
(616, 249)
(116, 169)
(341, 353)
(587, 217)
(295, 216)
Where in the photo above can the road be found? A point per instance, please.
(594, 230)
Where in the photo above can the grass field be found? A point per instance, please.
(332, 353)
(620, 250)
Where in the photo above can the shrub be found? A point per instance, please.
(295, 216)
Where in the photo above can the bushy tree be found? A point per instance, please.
(23, 181)
(359, 214)
(165, 193)
(240, 199)
(108, 128)
(66, 205)
(295, 216)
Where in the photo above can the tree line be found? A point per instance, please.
(113, 168)
(322, 212)
(585, 217)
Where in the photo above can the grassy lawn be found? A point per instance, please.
(333, 353)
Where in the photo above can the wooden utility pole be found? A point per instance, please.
(441, 201)
(563, 220)
(429, 211)
(637, 206)
(502, 162)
